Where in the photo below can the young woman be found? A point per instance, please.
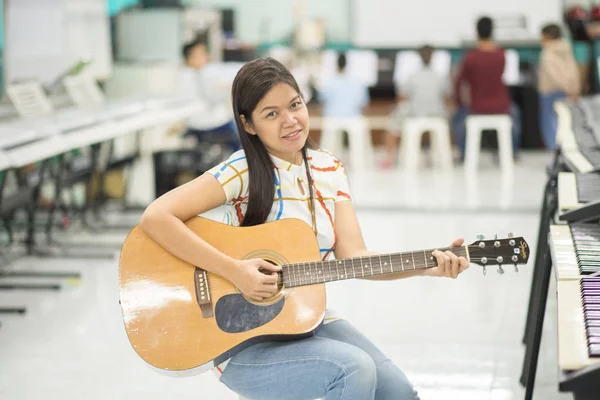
(278, 175)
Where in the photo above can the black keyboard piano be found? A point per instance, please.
(569, 248)
(581, 144)
(575, 250)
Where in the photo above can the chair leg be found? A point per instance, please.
(473, 149)
(505, 149)
(330, 139)
(411, 147)
(361, 147)
(442, 147)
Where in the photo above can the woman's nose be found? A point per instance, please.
(289, 119)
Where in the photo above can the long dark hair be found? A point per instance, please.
(251, 84)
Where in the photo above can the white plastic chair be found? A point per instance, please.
(502, 124)
(410, 149)
(359, 140)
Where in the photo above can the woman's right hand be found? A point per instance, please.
(253, 283)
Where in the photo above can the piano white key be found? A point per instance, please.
(577, 161)
(563, 251)
(567, 191)
(572, 341)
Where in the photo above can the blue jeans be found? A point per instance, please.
(548, 118)
(337, 363)
(459, 128)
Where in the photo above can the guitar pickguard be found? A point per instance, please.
(235, 314)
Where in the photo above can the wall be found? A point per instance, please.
(114, 6)
(259, 21)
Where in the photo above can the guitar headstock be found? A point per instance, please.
(496, 252)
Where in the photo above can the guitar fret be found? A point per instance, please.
(412, 253)
(370, 265)
(353, 267)
(425, 259)
(320, 272)
(303, 280)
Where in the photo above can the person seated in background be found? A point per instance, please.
(423, 95)
(558, 78)
(482, 69)
(343, 96)
(199, 80)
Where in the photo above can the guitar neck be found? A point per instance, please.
(313, 272)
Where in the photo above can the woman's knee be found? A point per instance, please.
(359, 371)
(392, 383)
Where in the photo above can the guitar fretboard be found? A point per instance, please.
(313, 272)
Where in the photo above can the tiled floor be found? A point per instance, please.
(455, 339)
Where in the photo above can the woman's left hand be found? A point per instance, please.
(448, 263)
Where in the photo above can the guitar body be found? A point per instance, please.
(160, 296)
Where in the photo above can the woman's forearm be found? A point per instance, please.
(172, 234)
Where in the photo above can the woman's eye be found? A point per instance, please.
(296, 104)
(271, 114)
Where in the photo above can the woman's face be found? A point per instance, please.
(280, 120)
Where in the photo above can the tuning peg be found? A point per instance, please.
(495, 236)
(480, 236)
(510, 235)
(484, 270)
(516, 268)
(500, 270)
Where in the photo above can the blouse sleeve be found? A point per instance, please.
(232, 174)
(343, 187)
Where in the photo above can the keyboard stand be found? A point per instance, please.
(549, 204)
(582, 383)
(538, 310)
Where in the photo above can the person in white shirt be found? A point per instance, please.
(425, 94)
(203, 81)
(343, 95)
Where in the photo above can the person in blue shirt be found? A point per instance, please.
(343, 95)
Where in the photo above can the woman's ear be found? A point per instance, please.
(247, 125)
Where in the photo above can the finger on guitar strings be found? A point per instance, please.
(453, 264)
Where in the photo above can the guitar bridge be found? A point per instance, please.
(203, 293)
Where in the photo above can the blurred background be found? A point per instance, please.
(454, 119)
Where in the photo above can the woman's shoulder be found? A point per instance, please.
(235, 164)
(322, 161)
(238, 158)
(321, 155)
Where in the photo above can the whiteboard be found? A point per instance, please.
(43, 38)
(404, 23)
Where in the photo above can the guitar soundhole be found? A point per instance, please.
(280, 273)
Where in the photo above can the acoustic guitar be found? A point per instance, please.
(179, 317)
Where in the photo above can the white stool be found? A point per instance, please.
(441, 148)
(502, 124)
(359, 140)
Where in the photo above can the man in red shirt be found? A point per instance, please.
(482, 70)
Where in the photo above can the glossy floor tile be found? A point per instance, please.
(455, 339)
